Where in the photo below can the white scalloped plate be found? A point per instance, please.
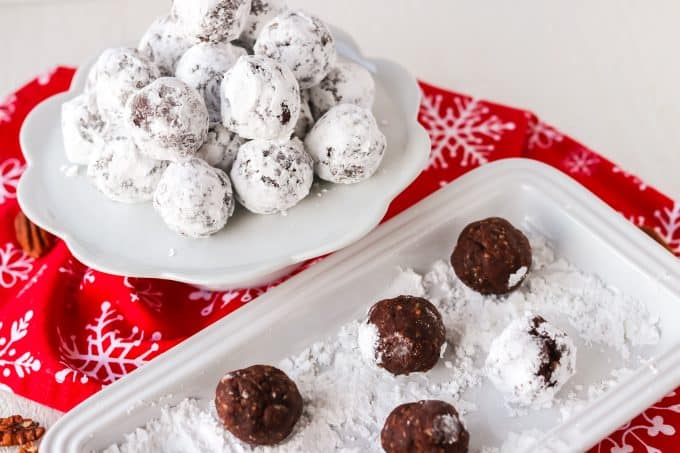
(132, 240)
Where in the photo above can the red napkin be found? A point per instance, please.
(66, 330)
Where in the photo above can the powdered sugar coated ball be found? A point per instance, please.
(347, 83)
(306, 119)
(124, 174)
(260, 99)
(531, 360)
(261, 12)
(194, 199)
(120, 73)
(164, 43)
(221, 147)
(346, 144)
(167, 119)
(271, 177)
(203, 66)
(91, 81)
(300, 41)
(212, 20)
(82, 128)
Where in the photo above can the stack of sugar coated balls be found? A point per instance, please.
(224, 101)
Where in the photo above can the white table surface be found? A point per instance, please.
(605, 72)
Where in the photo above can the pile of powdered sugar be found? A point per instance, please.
(347, 399)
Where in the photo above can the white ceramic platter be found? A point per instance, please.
(132, 240)
(315, 304)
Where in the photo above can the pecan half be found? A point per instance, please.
(652, 233)
(29, 447)
(33, 240)
(17, 430)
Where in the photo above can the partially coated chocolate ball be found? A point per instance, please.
(403, 335)
(492, 256)
(260, 405)
(424, 427)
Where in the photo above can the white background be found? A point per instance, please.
(605, 72)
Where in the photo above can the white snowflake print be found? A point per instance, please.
(220, 301)
(541, 135)
(75, 375)
(6, 388)
(21, 364)
(45, 77)
(15, 265)
(7, 109)
(581, 162)
(10, 172)
(143, 291)
(634, 179)
(79, 275)
(669, 218)
(107, 356)
(653, 426)
(466, 130)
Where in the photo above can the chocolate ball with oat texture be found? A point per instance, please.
(119, 73)
(492, 256)
(260, 405)
(193, 198)
(167, 119)
(203, 66)
(346, 144)
(531, 360)
(164, 44)
(221, 147)
(272, 177)
(347, 83)
(211, 20)
(403, 335)
(82, 128)
(260, 99)
(122, 173)
(261, 12)
(300, 41)
(424, 427)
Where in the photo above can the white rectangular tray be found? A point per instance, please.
(316, 303)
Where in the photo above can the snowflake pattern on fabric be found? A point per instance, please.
(467, 130)
(46, 77)
(142, 290)
(108, 355)
(541, 135)
(224, 299)
(62, 375)
(15, 265)
(581, 162)
(10, 359)
(651, 422)
(669, 219)
(10, 172)
(637, 181)
(7, 109)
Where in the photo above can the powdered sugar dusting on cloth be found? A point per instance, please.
(347, 399)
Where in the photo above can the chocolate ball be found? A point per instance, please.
(260, 405)
(403, 335)
(426, 426)
(492, 256)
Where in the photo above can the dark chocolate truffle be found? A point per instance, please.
(260, 405)
(403, 335)
(492, 256)
(424, 427)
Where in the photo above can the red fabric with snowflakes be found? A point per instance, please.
(66, 330)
